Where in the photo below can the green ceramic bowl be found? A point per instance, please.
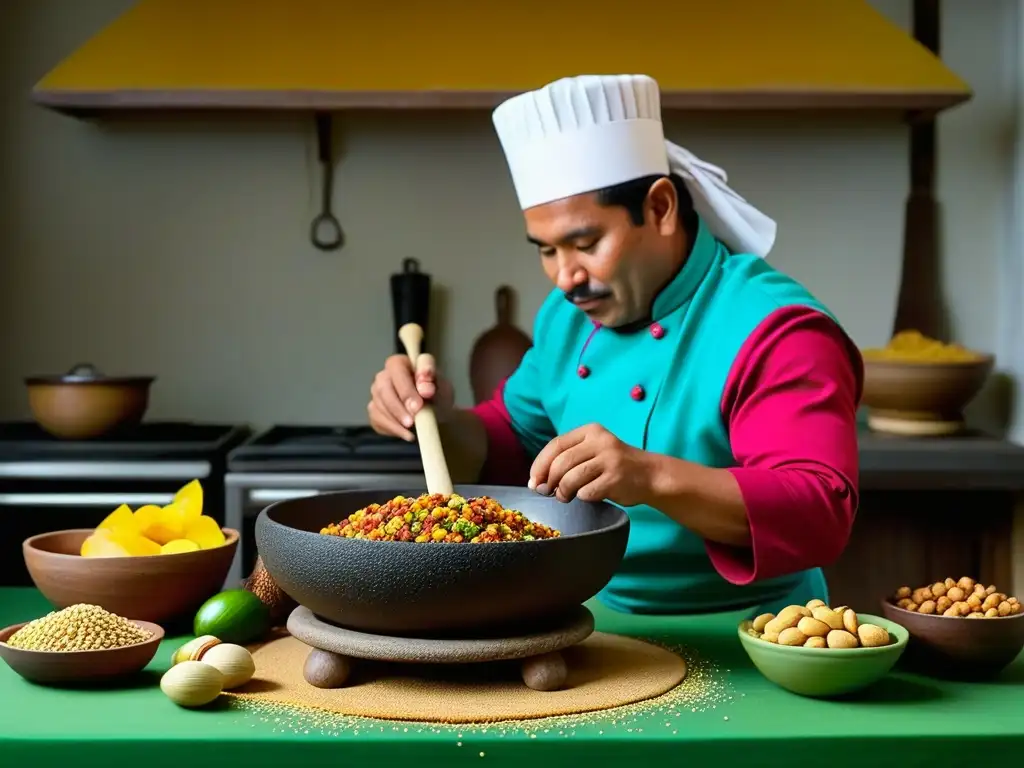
(826, 672)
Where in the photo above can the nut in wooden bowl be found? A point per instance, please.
(960, 629)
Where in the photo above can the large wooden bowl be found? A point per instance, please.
(159, 588)
(66, 667)
(404, 588)
(922, 392)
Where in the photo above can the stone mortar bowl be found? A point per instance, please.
(431, 590)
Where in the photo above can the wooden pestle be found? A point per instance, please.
(435, 468)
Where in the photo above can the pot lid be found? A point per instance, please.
(86, 373)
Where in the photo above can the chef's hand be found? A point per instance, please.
(398, 393)
(591, 464)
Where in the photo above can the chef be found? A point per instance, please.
(674, 372)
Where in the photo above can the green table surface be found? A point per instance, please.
(729, 715)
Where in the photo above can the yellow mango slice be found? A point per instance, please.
(205, 532)
(136, 544)
(179, 545)
(189, 499)
(167, 525)
(149, 519)
(120, 519)
(99, 545)
(146, 516)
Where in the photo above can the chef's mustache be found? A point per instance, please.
(587, 292)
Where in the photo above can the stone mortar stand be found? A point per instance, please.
(334, 650)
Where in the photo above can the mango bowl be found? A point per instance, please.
(826, 672)
(156, 588)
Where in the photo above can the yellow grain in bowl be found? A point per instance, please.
(915, 347)
(81, 627)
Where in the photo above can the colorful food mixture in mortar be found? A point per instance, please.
(78, 628)
(438, 518)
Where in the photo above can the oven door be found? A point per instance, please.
(249, 494)
(32, 510)
(32, 502)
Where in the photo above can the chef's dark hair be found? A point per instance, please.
(631, 195)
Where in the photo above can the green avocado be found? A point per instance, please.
(233, 616)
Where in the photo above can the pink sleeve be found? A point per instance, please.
(790, 404)
(507, 462)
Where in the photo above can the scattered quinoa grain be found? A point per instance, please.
(437, 519)
(79, 627)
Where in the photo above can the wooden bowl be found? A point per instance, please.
(959, 648)
(921, 397)
(825, 672)
(84, 404)
(158, 588)
(57, 667)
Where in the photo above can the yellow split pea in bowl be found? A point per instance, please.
(919, 386)
(824, 672)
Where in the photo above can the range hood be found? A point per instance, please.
(458, 54)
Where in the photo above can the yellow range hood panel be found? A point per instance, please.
(441, 54)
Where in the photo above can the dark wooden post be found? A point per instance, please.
(920, 305)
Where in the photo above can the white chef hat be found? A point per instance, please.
(581, 134)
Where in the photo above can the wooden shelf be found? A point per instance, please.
(452, 54)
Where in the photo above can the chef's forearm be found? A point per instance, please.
(706, 501)
(464, 438)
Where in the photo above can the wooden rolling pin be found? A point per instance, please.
(435, 468)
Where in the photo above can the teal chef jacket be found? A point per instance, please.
(660, 389)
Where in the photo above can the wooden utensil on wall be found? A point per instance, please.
(497, 352)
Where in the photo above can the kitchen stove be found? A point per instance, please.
(47, 483)
(27, 441)
(325, 449)
(288, 462)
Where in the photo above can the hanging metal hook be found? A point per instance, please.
(325, 231)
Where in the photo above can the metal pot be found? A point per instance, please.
(83, 403)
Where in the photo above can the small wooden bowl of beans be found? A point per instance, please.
(960, 629)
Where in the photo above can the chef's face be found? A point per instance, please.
(607, 265)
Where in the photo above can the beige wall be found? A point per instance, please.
(179, 247)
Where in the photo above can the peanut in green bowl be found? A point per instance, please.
(826, 672)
